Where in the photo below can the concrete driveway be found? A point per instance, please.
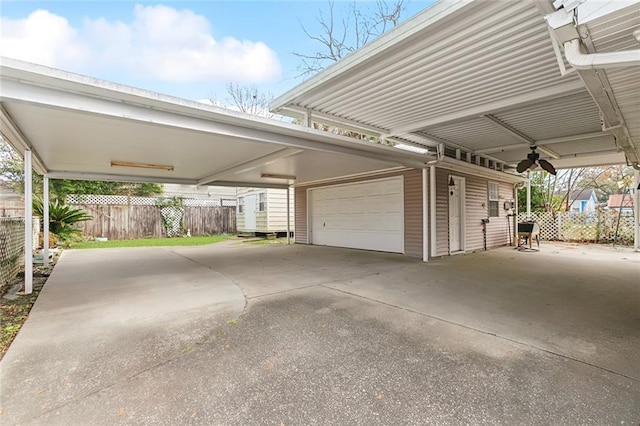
(329, 336)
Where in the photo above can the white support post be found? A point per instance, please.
(636, 211)
(28, 223)
(425, 217)
(288, 215)
(45, 221)
(308, 121)
(432, 206)
(528, 195)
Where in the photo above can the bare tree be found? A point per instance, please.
(246, 99)
(340, 36)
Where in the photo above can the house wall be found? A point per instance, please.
(476, 209)
(442, 212)
(274, 219)
(277, 209)
(200, 192)
(412, 209)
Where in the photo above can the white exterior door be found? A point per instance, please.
(456, 215)
(250, 213)
(364, 215)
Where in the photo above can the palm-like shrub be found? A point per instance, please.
(62, 218)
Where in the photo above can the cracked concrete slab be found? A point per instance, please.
(329, 336)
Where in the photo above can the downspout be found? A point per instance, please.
(564, 27)
(288, 215)
(425, 217)
(432, 205)
(590, 61)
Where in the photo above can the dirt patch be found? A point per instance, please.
(15, 305)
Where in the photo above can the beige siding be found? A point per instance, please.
(475, 197)
(498, 228)
(476, 209)
(274, 219)
(413, 213)
(260, 224)
(239, 220)
(300, 215)
(442, 212)
(277, 209)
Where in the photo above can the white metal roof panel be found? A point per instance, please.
(437, 74)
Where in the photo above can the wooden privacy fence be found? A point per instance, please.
(121, 217)
(601, 226)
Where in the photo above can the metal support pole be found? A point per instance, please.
(28, 224)
(528, 195)
(288, 215)
(45, 221)
(432, 209)
(636, 211)
(307, 119)
(425, 217)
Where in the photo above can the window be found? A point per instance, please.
(494, 199)
(262, 202)
(241, 205)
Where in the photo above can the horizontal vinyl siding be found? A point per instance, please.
(498, 228)
(277, 209)
(261, 222)
(476, 196)
(300, 216)
(476, 209)
(442, 212)
(239, 221)
(413, 213)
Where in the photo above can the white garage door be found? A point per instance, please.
(365, 215)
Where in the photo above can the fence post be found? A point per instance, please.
(559, 224)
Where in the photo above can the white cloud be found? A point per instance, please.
(160, 43)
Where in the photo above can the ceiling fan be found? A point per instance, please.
(533, 160)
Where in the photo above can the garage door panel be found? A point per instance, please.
(366, 215)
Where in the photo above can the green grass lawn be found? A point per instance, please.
(153, 242)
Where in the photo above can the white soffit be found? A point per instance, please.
(76, 126)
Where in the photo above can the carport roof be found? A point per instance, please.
(485, 78)
(76, 126)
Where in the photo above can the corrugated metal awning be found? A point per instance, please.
(478, 76)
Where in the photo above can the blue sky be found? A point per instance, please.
(180, 48)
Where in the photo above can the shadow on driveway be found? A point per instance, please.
(329, 336)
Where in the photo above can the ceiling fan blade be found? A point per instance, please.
(547, 166)
(524, 165)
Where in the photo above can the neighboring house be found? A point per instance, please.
(264, 211)
(621, 202)
(581, 200)
(224, 195)
(11, 203)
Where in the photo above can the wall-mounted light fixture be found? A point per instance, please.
(451, 182)
(275, 176)
(141, 165)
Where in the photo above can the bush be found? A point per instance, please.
(62, 219)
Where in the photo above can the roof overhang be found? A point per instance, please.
(77, 127)
(489, 79)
